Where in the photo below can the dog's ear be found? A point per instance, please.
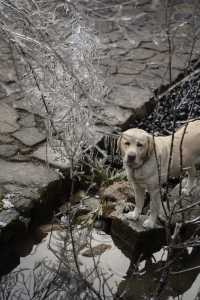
(150, 146)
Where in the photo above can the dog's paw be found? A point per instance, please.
(149, 223)
(133, 215)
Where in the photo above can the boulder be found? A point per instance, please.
(26, 174)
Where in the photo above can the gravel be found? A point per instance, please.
(172, 110)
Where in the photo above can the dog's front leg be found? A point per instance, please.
(191, 181)
(139, 202)
(154, 209)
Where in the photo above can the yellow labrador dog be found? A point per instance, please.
(142, 154)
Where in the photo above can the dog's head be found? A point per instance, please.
(136, 146)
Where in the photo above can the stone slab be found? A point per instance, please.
(28, 121)
(133, 98)
(47, 154)
(6, 139)
(25, 104)
(29, 136)
(8, 150)
(141, 54)
(26, 174)
(32, 193)
(114, 116)
(8, 119)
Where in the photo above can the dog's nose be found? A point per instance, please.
(131, 156)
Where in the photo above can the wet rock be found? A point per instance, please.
(179, 283)
(26, 174)
(8, 150)
(30, 136)
(49, 155)
(8, 119)
(133, 239)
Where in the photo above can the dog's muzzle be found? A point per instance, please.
(131, 157)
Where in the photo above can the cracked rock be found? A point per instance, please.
(30, 136)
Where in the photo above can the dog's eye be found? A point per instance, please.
(139, 145)
(127, 143)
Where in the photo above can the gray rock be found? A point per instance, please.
(20, 158)
(131, 68)
(8, 73)
(6, 139)
(114, 35)
(22, 204)
(159, 46)
(117, 52)
(27, 105)
(140, 54)
(133, 98)
(8, 150)
(8, 119)
(28, 121)
(32, 193)
(150, 81)
(114, 115)
(26, 174)
(105, 27)
(8, 217)
(124, 44)
(113, 69)
(120, 79)
(179, 62)
(30, 136)
(47, 154)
